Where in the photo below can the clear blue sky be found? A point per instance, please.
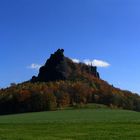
(107, 30)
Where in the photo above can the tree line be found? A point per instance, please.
(42, 96)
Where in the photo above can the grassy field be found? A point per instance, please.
(76, 124)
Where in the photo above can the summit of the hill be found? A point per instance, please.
(59, 67)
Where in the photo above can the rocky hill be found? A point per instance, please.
(62, 83)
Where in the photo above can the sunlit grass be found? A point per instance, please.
(76, 124)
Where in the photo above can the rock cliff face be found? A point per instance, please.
(59, 67)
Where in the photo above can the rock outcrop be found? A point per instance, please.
(59, 67)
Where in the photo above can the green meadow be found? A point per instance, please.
(72, 124)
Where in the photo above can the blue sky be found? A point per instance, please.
(108, 30)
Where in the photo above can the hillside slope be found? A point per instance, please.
(61, 83)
